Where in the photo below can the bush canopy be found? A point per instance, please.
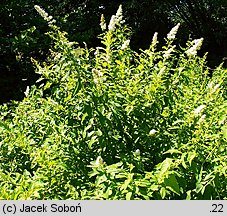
(112, 123)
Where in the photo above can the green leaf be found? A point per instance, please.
(143, 183)
(173, 151)
(125, 185)
(154, 187)
(92, 141)
(163, 192)
(188, 195)
(172, 184)
(100, 179)
(224, 131)
(128, 195)
(83, 117)
(191, 156)
(199, 187)
(165, 165)
(93, 173)
(183, 160)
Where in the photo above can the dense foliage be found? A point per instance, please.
(112, 123)
(22, 34)
(20, 40)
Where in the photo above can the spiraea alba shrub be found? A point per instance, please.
(112, 123)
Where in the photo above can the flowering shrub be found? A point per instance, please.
(111, 123)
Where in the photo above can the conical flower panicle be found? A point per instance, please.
(103, 23)
(154, 39)
(168, 52)
(197, 45)
(116, 19)
(125, 45)
(172, 34)
(45, 15)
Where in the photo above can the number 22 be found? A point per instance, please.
(217, 208)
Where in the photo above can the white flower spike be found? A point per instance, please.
(119, 16)
(154, 39)
(168, 52)
(161, 72)
(112, 23)
(45, 15)
(215, 88)
(116, 19)
(172, 34)
(201, 120)
(99, 161)
(27, 91)
(103, 23)
(125, 44)
(197, 45)
(199, 109)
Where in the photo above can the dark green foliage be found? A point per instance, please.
(112, 123)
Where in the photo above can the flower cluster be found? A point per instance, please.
(202, 119)
(99, 161)
(137, 152)
(27, 91)
(210, 85)
(116, 19)
(172, 34)
(44, 14)
(168, 52)
(154, 39)
(102, 23)
(152, 132)
(199, 109)
(125, 44)
(119, 16)
(98, 76)
(215, 88)
(197, 45)
(162, 71)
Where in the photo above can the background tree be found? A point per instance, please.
(203, 18)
